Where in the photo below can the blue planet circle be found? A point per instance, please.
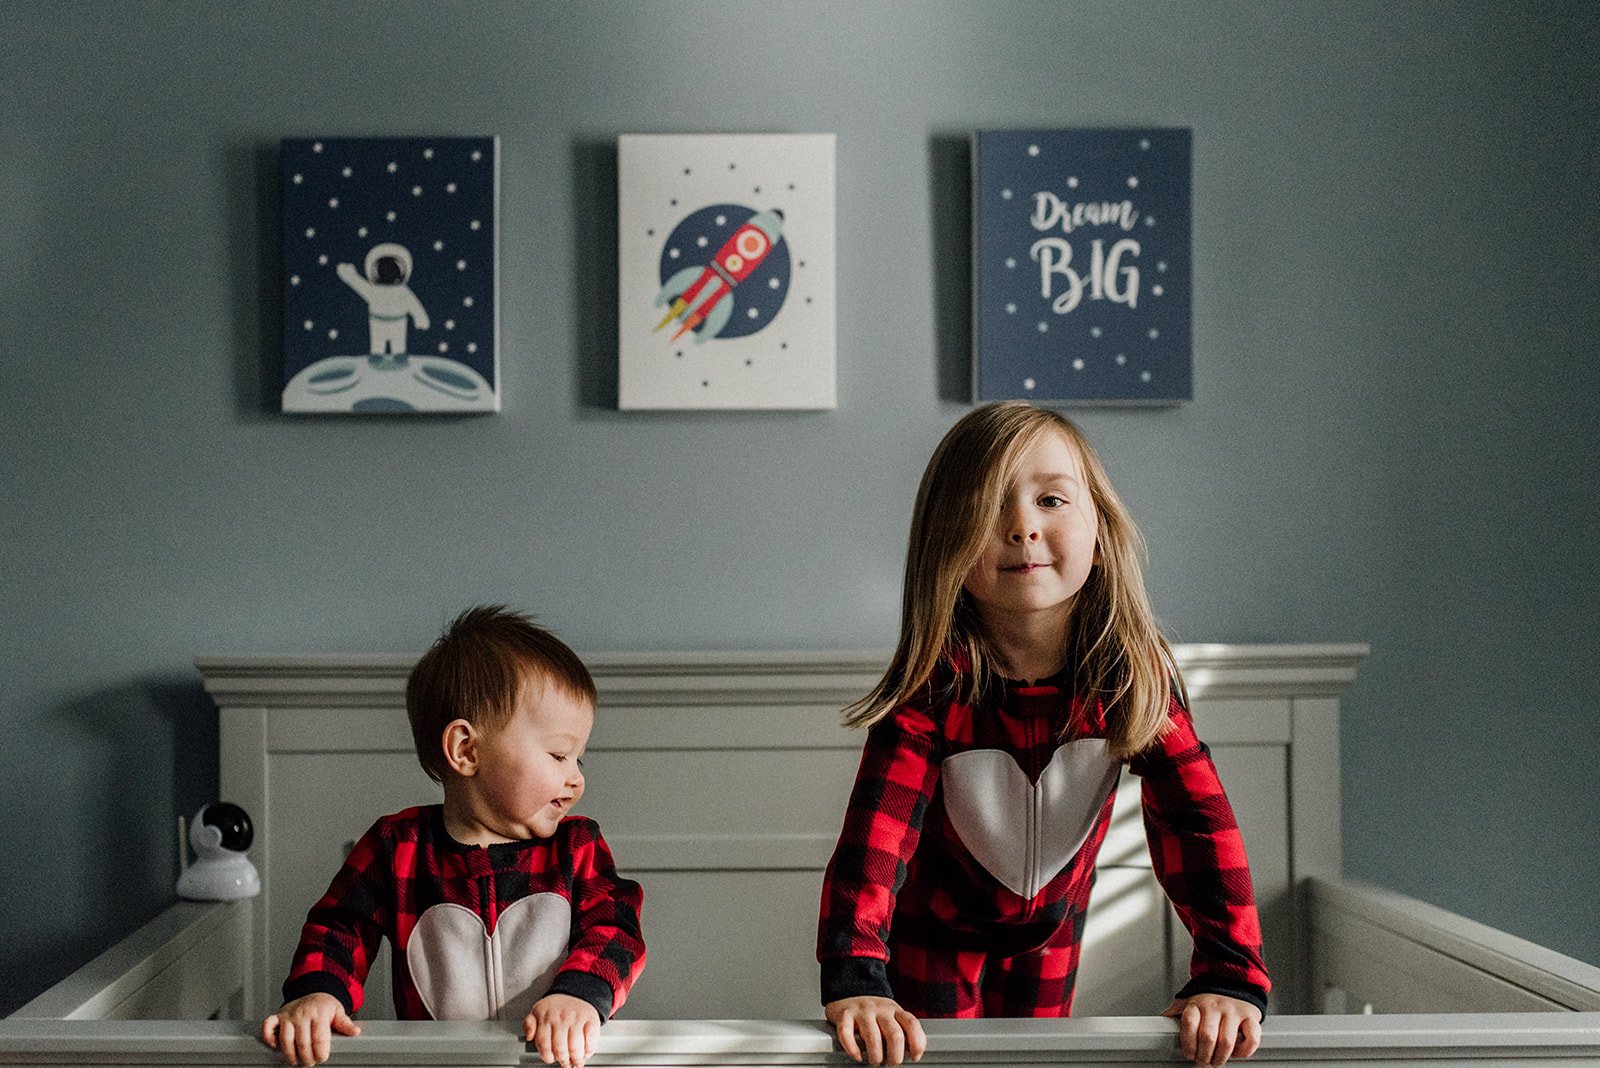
(696, 240)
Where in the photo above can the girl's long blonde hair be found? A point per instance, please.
(1118, 654)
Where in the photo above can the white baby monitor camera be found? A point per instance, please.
(220, 834)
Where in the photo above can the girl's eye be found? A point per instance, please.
(561, 758)
(580, 762)
(1051, 500)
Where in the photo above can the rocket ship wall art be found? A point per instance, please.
(725, 261)
(699, 294)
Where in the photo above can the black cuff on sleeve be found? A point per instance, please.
(591, 988)
(1202, 985)
(854, 977)
(318, 983)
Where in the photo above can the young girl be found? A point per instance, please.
(1029, 670)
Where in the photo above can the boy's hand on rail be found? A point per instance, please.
(887, 1032)
(302, 1030)
(563, 1029)
(1214, 1027)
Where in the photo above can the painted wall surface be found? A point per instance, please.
(1395, 386)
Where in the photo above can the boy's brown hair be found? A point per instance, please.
(476, 671)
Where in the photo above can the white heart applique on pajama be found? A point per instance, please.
(1025, 833)
(464, 974)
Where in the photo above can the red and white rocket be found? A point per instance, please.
(701, 292)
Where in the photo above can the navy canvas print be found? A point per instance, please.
(389, 274)
(1081, 264)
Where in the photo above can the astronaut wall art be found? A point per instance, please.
(390, 275)
(726, 271)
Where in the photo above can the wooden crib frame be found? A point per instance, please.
(188, 987)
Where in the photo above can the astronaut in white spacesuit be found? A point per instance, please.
(389, 299)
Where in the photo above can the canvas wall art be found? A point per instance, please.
(390, 274)
(726, 271)
(1081, 264)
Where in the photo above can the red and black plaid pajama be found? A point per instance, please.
(994, 926)
(935, 973)
(407, 863)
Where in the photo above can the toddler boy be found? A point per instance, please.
(498, 904)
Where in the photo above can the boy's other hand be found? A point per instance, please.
(887, 1032)
(302, 1030)
(563, 1029)
(1214, 1027)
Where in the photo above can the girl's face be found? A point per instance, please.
(1042, 546)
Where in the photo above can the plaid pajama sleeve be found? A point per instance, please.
(1200, 862)
(343, 929)
(607, 952)
(894, 785)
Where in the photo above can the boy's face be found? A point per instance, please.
(528, 776)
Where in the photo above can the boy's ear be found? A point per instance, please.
(460, 742)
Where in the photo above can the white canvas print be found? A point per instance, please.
(726, 265)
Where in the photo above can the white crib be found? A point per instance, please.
(737, 774)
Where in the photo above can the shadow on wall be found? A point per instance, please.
(950, 188)
(255, 250)
(149, 746)
(594, 270)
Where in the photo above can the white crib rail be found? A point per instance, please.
(191, 962)
(1375, 950)
(1505, 1041)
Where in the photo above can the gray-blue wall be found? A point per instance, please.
(1395, 386)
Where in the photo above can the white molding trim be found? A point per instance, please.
(740, 677)
(725, 852)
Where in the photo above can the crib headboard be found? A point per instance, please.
(737, 773)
